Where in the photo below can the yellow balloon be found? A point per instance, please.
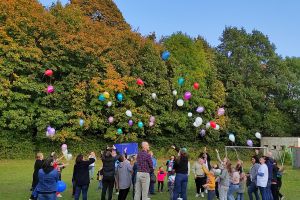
(106, 95)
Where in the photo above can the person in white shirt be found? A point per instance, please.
(92, 166)
(262, 178)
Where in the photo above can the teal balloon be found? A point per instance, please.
(120, 97)
(140, 124)
(180, 81)
(119, 131)
(101, 97)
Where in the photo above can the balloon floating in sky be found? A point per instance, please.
(165, 55)
(120, 96)
(140, 124)
(249, 143)
(200, 109)
(81, 122)
(202, 133)
(217, 127)
(213, 124)
(231, 137)
(49, 72)
(119, 131)
(258, 135)
(106, 95)
(152, 119)
(50, 131)
(196, 86)
(139, 81)
(101, 97)
(109, 104)
(180, 102)
(110, 119)
(151, 124)
(174, 92)
(69, 157)
(180, 81)
(128, 113)
(50, 89)
(64, 147)
(199, 120)
(207, 125)
(221, 111)
(187, 95)
(153, 95)
(130, 122)
(190, 114)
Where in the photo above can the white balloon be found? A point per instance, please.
(231, 138)
(174, 92)
(207, 125)
(199, 120)
(195, 124)
(180, 102)
(153, 95)
(190, 114)
(217, 127)
(69, 157)
(109, 104)
(65, 152)
(258, 135)
(128, 113)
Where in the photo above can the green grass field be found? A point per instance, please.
(16, 176)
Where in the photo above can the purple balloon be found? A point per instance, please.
(202, 133)
(249, 143)
(200, 109)
(48, 128)
(221, 111)
(51, 131)
(152, 119)
(110, 119)
(187, 95)
(130, 122)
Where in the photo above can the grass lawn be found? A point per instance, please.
(16, 176)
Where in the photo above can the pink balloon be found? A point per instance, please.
(110, 119)
(152, 119)
(221, 111)
(151, 124)
(187, 95)
(50, 89)
(64, 147)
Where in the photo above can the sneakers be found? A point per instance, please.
(282, 198)
(202, 194)
(205, 191)
(117, 193)
(197, 195)
(59, 195)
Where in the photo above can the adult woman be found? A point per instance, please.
(108, 179)
(181, 180)
(252, 188)
(37, 166)
(48, 177)
(81, 176)
(234, 184)
(225, 180)
(262, 178)
(200, 178)
(124, 177)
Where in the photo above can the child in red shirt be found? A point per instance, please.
(161, 174)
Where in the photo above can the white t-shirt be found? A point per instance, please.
(262, 181)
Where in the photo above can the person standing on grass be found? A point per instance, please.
(234, 184)
(108, 168)
(144, 168)
(92, 166)
(252, 188)
(37, 166)
(152, 183)
(81, 176)
(262, 178)
(48, 177)
(210, 182)
(124, 177)
(170, 164)
(171, 183)
(224, 180)
(182, 170)
(161, 174)
(242, 187)
(200, 178)
(274, 183)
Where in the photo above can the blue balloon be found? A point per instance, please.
(165, 55)
(120, 96)
(181, 81)
(61, 186)
(119, 131)
(81, 122)
(101, 97)
(140, 124)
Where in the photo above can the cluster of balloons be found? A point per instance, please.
(50, 131)
(50, 88)
(105, 95)
(248, 142)
(64, 150)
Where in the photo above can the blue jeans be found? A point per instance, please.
(232, 189)
(252, 188)
(263, 192)
(79, 189)
(240, 196)
(269, 192)
(51, 196)
(91, 171)
(180, 186)
(211, 194)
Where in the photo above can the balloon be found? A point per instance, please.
(48, 72)
(152, 119)
(50, 89)
(199, 120)
(140, 124)
(213, 124)
(139, 81)
(81, 122)
(221, 111)
(180, 102)
(196, 86)
(61, 186)
(48, 128)
(128, 113)
(174, 92)
(106, 94)
(101, 97)
(51, 131)
(249, 143)
(109, 104)
(180, 81)
(165, 55)
(187, 95)
(202, 133)
(153, 96)
(69, 157)
(119, 131)
(110, 119)
(151, 124)
(231, 138)
(64, 147)
(217, 172)
(200, 109)
(217, 127)
(120, 96)
(190, 114)
(65, 152)
(207, 125)
(130, 122)
(258, 135)
(196, 124)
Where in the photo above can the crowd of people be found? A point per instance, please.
(220, 181)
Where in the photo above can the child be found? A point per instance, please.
(160, 178)
(99, 178)
(37, 166)
(279, 179)
(242, 187)
(210, 184)
(217, 174)
(171, 183)
(92, 166)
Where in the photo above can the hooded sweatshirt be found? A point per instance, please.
(124, 174)
(48, 178)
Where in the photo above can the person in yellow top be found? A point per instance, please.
(211, 183)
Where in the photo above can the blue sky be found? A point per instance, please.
(278, 19)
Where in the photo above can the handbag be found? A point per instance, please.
(152, 178)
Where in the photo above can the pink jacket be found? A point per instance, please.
(161, 175)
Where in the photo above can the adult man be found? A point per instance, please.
(145, 167)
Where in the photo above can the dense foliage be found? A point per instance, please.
(91, 50)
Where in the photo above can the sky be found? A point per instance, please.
(279, 20)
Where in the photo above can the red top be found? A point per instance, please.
(161, 175)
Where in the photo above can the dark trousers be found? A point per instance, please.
(79, 189)
(279, 183)
(263, 192)
(275, 192)
(180, 186)
(217, 189)
(252, 188)
(211, 194)
(107, 184)
(200, 181)
(123, 193)
(160, 186)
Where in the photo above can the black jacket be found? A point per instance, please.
(81, 172)
(108, 166)
(181, 165)
(37, 166)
